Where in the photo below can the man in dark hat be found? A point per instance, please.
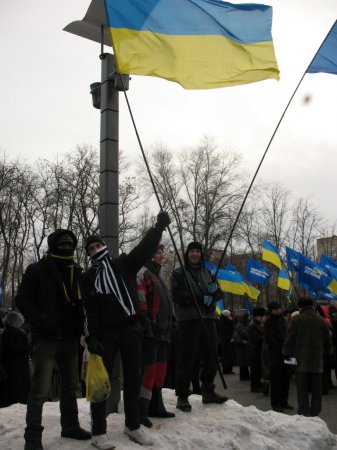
(156, 310)
(191, 334)
(50, 299)
(308, 339)
(254, 344)
(274, 334)
(113, 317)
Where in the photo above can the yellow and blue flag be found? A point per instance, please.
(249, 289)
(200, 44)
(228, 282)
(271, 254)
(219, 307)
(283, 281)
(326, 58)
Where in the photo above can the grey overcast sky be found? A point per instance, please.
(45, 105)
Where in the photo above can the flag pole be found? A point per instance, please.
(263, 157)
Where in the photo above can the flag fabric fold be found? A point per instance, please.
(199, 44)
(249, 289)
(283, 281)
(326, 58)
(257, 272)
(271, 254)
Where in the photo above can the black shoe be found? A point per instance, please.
(213, 397)
(258, 389)
(161, 414)
(183, 404)
(287, 406)
(278, 409)
(146, 422)
(76, 433)
(33, 445)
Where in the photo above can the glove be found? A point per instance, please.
(163, 220)
(208, 299)
(94, 346)
(212, 288)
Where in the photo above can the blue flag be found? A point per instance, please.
(326, 58)
(249, 308)
(257, 272)
(292, 259)
(312, 275)
(1, 293)
(328, 263)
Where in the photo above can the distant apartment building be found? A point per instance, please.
(327, 245)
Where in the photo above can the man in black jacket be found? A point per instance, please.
(254, 343)
(50, 299)
(113, 316)
(191, 334)
(274, 333)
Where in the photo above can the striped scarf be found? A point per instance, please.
(106, 281)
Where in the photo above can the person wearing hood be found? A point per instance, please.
(50, 299)
(15, 350)
(114, 323)
(191, 334)
(156, 310)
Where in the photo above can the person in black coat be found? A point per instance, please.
(113, 322)
(226, 335)
(50, 299)
(275, 331)
(240, 338)
(254, 343)
(191, 333)
(15, 359)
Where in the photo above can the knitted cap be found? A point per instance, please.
(55, 238)
(93, 238)
(259, 312)
(273, 305)
(194, 246)
(304, 301)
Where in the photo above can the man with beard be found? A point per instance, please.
(50, 299)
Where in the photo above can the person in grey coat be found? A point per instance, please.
(308, 339)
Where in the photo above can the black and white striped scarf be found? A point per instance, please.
(106, 281)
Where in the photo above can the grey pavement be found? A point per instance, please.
(240, 392)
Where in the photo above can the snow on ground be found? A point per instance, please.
(229, 426)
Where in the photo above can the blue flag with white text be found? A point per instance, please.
(257, 272)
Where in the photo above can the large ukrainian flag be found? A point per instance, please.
(271, 254)
(199, 44)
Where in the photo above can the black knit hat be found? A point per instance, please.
(55, 237)
(93, 238)
(194, 246)
(303, 302)
(273, 305)
(259, 312)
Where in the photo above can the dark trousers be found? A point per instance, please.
(255, 373)
(126, 338)
(191, 339)
(154, 366)
(306, 384)
(45, 355)
(279, 385)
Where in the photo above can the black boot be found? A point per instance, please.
(183, 404)
(144, 408)
(157, 407)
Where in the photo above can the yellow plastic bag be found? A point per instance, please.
(96, 380)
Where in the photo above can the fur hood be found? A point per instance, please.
(14, 319)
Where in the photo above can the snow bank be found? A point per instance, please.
(229, 426)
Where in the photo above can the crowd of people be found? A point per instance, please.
(165, 336)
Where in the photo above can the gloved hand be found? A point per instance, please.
(208, 299)
(94, 346)
(163, 220)
(212, 288)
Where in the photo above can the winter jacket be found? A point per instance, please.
(103, 310)
(240, 337)
(255, 339)
(155, 302)
(274, 334)
(184, 305)
(308, 339)
(42, 302)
